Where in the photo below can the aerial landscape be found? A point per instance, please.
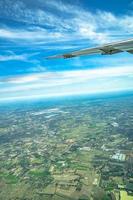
(76, 149)
(66, 100)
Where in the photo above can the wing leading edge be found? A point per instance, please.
(109, 49)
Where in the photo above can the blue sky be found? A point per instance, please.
(32, 30)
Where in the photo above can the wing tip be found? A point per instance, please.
(65, 56)
(53, 57)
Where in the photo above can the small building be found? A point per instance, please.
(119, 156)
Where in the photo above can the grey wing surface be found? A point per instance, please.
(109, 49)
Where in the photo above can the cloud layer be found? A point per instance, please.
(43, 22)
(69, 82)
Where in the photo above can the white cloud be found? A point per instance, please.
(10, 55)
(72, 22)
(13, 57)
(33, 34)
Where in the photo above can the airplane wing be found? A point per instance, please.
(108, 49)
